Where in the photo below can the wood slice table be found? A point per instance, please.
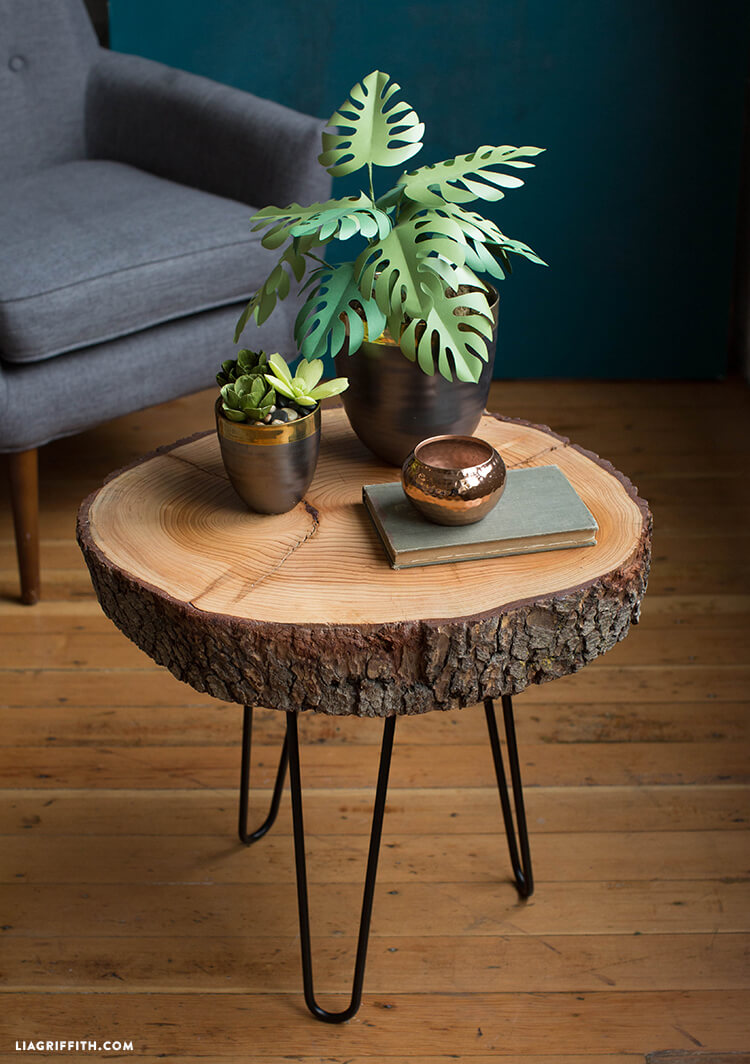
(302, 611)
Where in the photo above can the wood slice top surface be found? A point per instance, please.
(168, 538)
(174, 522)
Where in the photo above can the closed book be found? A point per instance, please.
(539, 510)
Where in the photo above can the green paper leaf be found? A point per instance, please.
(466, 177)
(393, 268)
(233, 415)
(460, 341)
(283, 219)
(390, 199)
(475, 231)
(492, 257)
(319, 328)
(243, 319)
(471, 224)
(521, 249)
(329, 388)
(275, 287)
(308, 374)
(244, 385)
(371, 134)
(281, 386)
(355, 214)
(486, 245)
(280, 368)
(259, 401)
(452, 274)
(230, 397)
(480, 258)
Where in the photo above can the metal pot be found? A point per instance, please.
(454, 480)
(392, 405)
(269, 466)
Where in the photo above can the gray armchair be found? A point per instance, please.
(125, 189)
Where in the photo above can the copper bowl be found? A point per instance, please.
(453, 480)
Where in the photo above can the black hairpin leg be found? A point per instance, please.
(372, 867)
(521, 867)
(248, 837)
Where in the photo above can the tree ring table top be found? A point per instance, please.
(303, 611)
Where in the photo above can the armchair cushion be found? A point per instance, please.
(94, 250)
(83, 388)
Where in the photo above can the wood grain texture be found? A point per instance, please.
(342, 811)
(510, 1023)
(630, 908)
(440, 965)
(213, 591)
(470, 858)
(168, 724)
(413, 765)
(397, 1058)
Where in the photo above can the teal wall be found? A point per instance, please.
(639, 103)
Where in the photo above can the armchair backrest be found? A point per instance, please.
(46, 48)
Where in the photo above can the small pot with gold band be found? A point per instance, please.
(270, 466)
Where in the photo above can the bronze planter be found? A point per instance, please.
(269, 466)
(454, 480)
(392, 404)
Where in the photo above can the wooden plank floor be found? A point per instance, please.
(128, 911)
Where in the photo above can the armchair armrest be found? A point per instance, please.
(200, 133)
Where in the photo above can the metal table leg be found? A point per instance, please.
(521, 868)
(372, 867)
(249, 837)
(521, 862)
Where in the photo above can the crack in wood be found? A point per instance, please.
(687, 1035)
(314, 514)
(539, 454)
(247, 588)
(200, 468)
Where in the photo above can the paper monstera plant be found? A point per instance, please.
(418, 274)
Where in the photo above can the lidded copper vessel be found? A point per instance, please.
(453, 480)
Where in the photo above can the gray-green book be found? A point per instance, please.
(539, 510)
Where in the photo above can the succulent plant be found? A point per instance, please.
(418, 273)
(247, 363)
(250, 392)
(249, 398)
(246, 394)
(303, 389)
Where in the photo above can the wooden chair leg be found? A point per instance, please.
(24, 489)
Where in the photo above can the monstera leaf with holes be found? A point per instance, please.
(391, 269)
(486, 246)
(377, 131)
(334, 311)
(456, 342)
(276, 286)
(321, 221)
(420, 271)
(467, 177)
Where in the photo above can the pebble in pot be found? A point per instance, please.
(283, 416)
